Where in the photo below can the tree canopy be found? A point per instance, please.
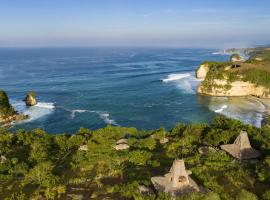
(42, 165)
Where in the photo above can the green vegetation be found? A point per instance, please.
(6, 109)
(43, 166)
(261, 53)
(213, 66)
(220, 71)
(257, 76)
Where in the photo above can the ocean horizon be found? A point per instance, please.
(146, 88)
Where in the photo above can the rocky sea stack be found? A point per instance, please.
(30, 99)
(7, 112)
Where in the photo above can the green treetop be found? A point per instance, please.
(6, 108)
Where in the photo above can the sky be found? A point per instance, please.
(172, 23)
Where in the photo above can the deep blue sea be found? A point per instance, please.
(92, 87)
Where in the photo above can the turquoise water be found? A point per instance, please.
(92, 87)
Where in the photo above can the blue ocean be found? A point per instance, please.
(146, 88)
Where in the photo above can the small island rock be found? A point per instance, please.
(30, 99)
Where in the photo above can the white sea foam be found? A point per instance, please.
(186, 86)
(40, 110)
(221, 109)
(175, 77)
(184, 81)
(73, 112)
(45, 105)
(105, 116)
(247, 110)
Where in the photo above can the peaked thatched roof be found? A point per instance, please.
(164, 140)
(241, 148)
(122, 141)
(121, 147)
(83, 148)
(177, 181)
(2, 159)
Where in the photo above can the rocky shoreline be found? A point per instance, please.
(8, 115)
(7, 122)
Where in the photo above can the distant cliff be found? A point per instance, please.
(238, 78)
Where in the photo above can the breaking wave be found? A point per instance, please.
(175, 77)
(45, 105)
(221, 109)
(105, 116)
(73, 112)
(184, 81)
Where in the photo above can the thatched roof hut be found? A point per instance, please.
(121, 144)
(121, 147)
(122, 141)
(83, 148)
(2, 159)
(177, 181)
(241, 148)
(164, 140)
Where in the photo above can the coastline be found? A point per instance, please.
(7, 122)
(170, 101)
(245, 75)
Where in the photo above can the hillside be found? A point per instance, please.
(37, 165)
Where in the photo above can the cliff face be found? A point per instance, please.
(236, 88)
(235, 78)
(202, 71)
